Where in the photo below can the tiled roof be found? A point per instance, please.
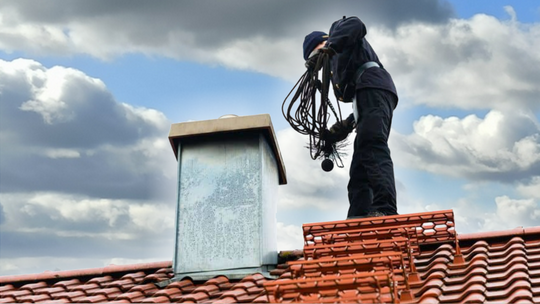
(409, 258)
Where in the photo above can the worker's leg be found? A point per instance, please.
(360, 195)
(372, 163)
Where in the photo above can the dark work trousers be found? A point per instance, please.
(371, 185)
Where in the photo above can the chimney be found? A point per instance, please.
(228, 173)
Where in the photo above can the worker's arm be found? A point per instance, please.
(340, 130)
(345, 32)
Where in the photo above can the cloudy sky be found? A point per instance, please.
(88, 90)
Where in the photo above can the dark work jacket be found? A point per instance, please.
(346, 38)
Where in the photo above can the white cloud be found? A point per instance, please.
(478, 63)
(149, 116)
(530, 189)
(263, 36)
(261, 55)
(308, 185)
(68, 207)
(120, 216)
(62, 153)
(502, 213)
(514, 208)
(66, 126)
(42, 38)
(153, 217)
(511, 11)
(500, 146)
(290, 237)
(82, 175)
(512, 213)
(458, 63)
(48, 87)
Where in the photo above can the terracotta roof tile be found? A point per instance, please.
(5, 288)
(34, 298)
(83, 287)
(429, 266)
(247, 298)
(95, 299)
(109, 293)
(433, 292)
(33, 286)
(195, 297)
(156, 277)
(16, 293)
(474, 298)
(133, 297)
(501, 294)
(101, 281)
(209, 289)
(235, 293)
(120, 301)
(8, 300)
(67, 283)
(63, 300)
(147, 289)
(49, 290)
(69, 295)
(168, 292)
(245, 285)
(218, 280)
(136, 277)
(225, 300)
(523, 295)
(256, 278)
(255, 290)
(264, 299)
(158, 299)
(182, 285)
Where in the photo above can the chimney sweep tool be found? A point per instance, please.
(309, 118)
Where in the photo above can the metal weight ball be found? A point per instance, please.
(327, 165)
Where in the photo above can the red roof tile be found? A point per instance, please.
(95, 299)
(414, 258)
(158, 299)
(6, 287)
(168, 292)
(148, 289)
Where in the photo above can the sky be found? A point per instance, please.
(89, 89)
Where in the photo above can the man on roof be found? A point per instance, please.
(360, 78)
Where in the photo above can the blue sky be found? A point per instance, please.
(87, 177)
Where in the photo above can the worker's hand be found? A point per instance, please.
(327, 50)
(338, 132)
(328, 137)
(311, 63)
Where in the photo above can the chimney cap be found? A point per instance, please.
(228, 116)
(232, 124)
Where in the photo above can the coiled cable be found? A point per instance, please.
(309, 117)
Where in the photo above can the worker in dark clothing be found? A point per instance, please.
(360, 78)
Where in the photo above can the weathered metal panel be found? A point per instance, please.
(269, 186)
(254, 123)
(220, 204)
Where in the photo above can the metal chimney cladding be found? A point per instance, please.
(228, 173)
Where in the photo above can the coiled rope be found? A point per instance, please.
(308, 118)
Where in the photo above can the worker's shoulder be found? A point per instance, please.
(346, 23)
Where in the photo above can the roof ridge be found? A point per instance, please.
(110, 269)
(519, 231)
